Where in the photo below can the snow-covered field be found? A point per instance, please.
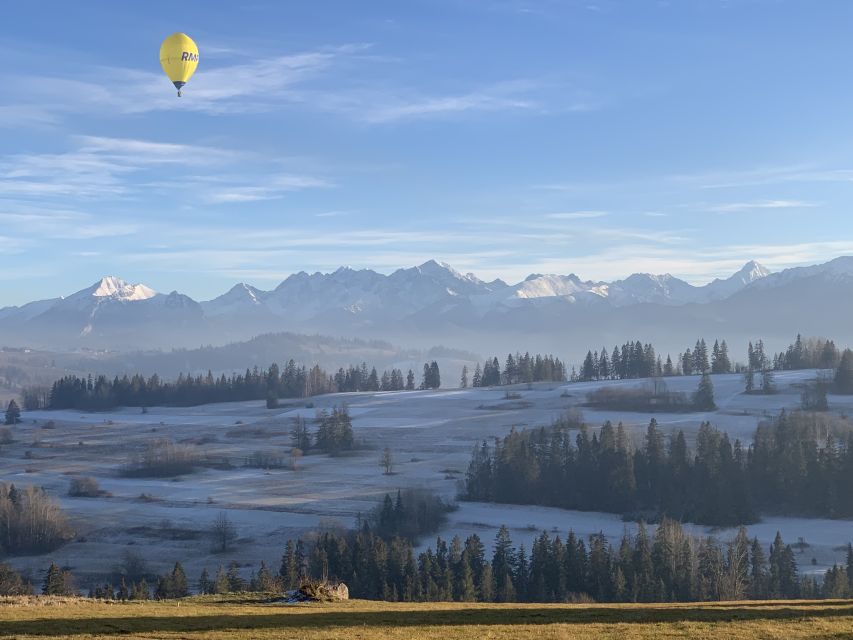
(430, 433)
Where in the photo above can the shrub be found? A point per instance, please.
(161, 458)
(11, 582)
(84, 487)
(5, 435)
(638, 399)
(265, 460)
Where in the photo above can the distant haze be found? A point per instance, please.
(434, 304)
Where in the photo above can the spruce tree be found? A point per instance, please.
(180, 587)
(749, 380)
(725, 361)
(236, 584)
(844, 373)
(54, 583)
(703, 399)
(13, 413)
(768, 381)
(205, 586)
(264, 581)
(434, 375)
(850, 566)
(467, 589)
(220, 582)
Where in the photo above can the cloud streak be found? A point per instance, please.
(101, 168)
(577, 215)
(340, 80)
(736, 207)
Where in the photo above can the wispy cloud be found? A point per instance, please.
(734, 207)
(101, 168)
(577, 215)
(335, 79)
(332, 214)
(393, 108)
(274, 187)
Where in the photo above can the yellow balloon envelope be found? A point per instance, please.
(179, 58)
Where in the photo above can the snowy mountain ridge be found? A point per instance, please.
(429, 299)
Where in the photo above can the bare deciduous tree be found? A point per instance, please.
(295, 455)
(386, 461)
(224, 533)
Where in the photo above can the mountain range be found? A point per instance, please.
(433, 303)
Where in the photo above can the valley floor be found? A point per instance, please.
(430, 433)
(251, 617)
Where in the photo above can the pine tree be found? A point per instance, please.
(410, 381)
(463, 382)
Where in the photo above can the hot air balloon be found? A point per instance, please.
(179, 58)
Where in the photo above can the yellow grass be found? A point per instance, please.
(252, 617)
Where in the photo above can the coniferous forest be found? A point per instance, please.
(97, 393)
(666, 566)
(799, 463)
(377, 560)
(641, 360)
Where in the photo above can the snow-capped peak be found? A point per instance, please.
(113, 287)
(437, 268)
(538, 285)
(752, 271)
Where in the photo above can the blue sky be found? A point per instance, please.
(502, 136)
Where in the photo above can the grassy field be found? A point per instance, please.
(247, 617)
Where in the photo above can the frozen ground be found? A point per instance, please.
(431, 435)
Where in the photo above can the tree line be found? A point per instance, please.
(520, 368)
(799, 463)
(638, 360)
(667, 565)
(95, 393)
